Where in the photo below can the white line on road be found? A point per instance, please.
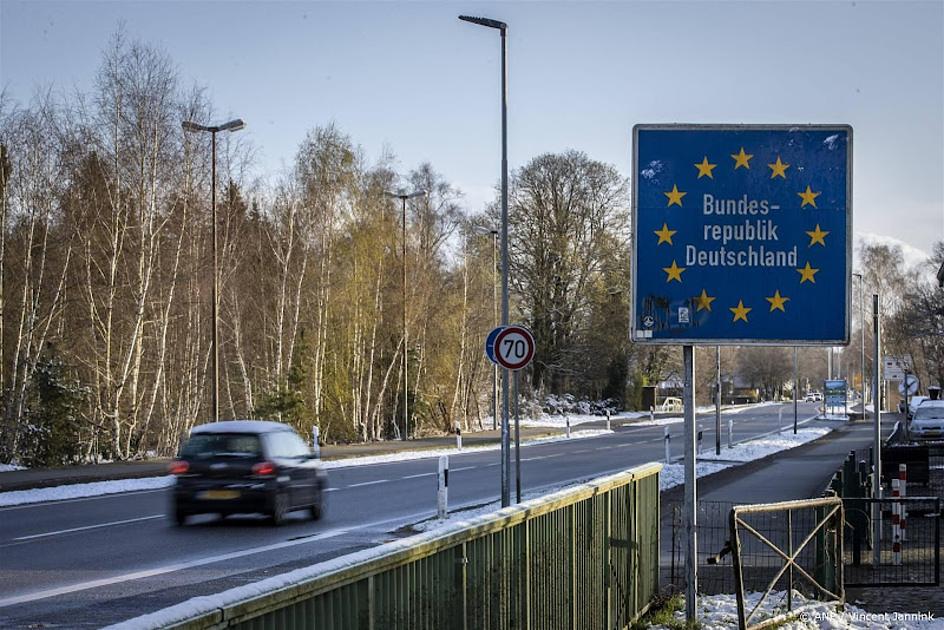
(137, 575)
(463, 468)
(368, 483)
(330, 489)
(79, 529)
(429, 474)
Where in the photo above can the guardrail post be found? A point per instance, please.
(668, 446)
(442, 495)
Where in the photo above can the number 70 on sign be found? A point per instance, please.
(511, 347)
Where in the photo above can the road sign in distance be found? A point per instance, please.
(909, 384)
(514, 347)
(490, 343)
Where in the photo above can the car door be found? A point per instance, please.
(306, 467)
(281, 452)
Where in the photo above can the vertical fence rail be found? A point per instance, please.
(586, 557)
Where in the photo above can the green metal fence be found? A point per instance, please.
(585, 557)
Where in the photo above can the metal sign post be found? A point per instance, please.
(691, 510)
(718, 403)
(511, 347)
(742, 235)
(877, 447)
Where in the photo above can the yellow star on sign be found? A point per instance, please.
(807, 273)
(778, 168)
(740, 311)
(777, 301)
(675, 196)
(704, 301)
(809, 197)
(742, 159)
(705, 168)
(675, 272)
(817, 236)
(665, 234)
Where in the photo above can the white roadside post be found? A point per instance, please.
(780, 420)
(668, 446)
(458, 437)
(608, 420)
(442, 496)
(700, 435)
(568, 426)
(315, 447)
(652, 413)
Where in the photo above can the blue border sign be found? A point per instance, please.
(742, 234)
(490, 343)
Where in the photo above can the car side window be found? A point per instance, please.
(298, 446)
(286, 444)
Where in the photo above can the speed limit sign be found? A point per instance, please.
(514, 347)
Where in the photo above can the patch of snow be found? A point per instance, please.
(655, 167)
(10, 467)
(719, 612)
(81, 490)
(658, 422)
(764, 446)
(674, 474)
(831, 142)
(436, 452)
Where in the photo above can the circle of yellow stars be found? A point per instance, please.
(742, 159)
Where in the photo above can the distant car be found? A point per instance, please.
(672, 404)
(913, 403)
(813, 397)
(245, 466)
(928, 421)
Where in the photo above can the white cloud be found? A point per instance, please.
(914, 257)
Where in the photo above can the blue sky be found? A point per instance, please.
(408, 76)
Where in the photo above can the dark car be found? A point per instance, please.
(244, 466)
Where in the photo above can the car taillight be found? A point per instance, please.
(263, 469)
(178, 468)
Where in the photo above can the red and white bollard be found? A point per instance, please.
(896, 524)
(903, 491)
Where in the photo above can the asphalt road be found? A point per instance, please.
(89, 562)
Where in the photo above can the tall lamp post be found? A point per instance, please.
(232, 125)
(505, 439)
(862, 333)
(403, 196)
(494, 234)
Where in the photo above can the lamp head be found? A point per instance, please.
(481, 21)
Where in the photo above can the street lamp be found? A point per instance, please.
(494, 233)
(403, 196)
(232, 125)
(862, 332)
(505, 445)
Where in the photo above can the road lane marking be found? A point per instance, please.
(330, 489)
(137, 575)
(463, 468)
(111, 495)
(87, 527)
(429, 474)
(368, 483)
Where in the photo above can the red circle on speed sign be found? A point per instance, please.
(514, 347)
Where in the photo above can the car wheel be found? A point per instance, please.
(279, 508)
(317, 508)
(180, 517)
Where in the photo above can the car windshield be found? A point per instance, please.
(929, 413)
(222, 445)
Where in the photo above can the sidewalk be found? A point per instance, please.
(47, 477)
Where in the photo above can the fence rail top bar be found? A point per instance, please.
(786, 505)
(250, 600)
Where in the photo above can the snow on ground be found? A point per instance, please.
(81, 490)
(560, 421)
(658, 422)
(764, 446)
(674, 474)
(719, 612)
(436, 452)
(9, 467)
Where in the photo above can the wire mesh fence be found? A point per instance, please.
(908, 552)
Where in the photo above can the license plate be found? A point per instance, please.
(217, 495)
